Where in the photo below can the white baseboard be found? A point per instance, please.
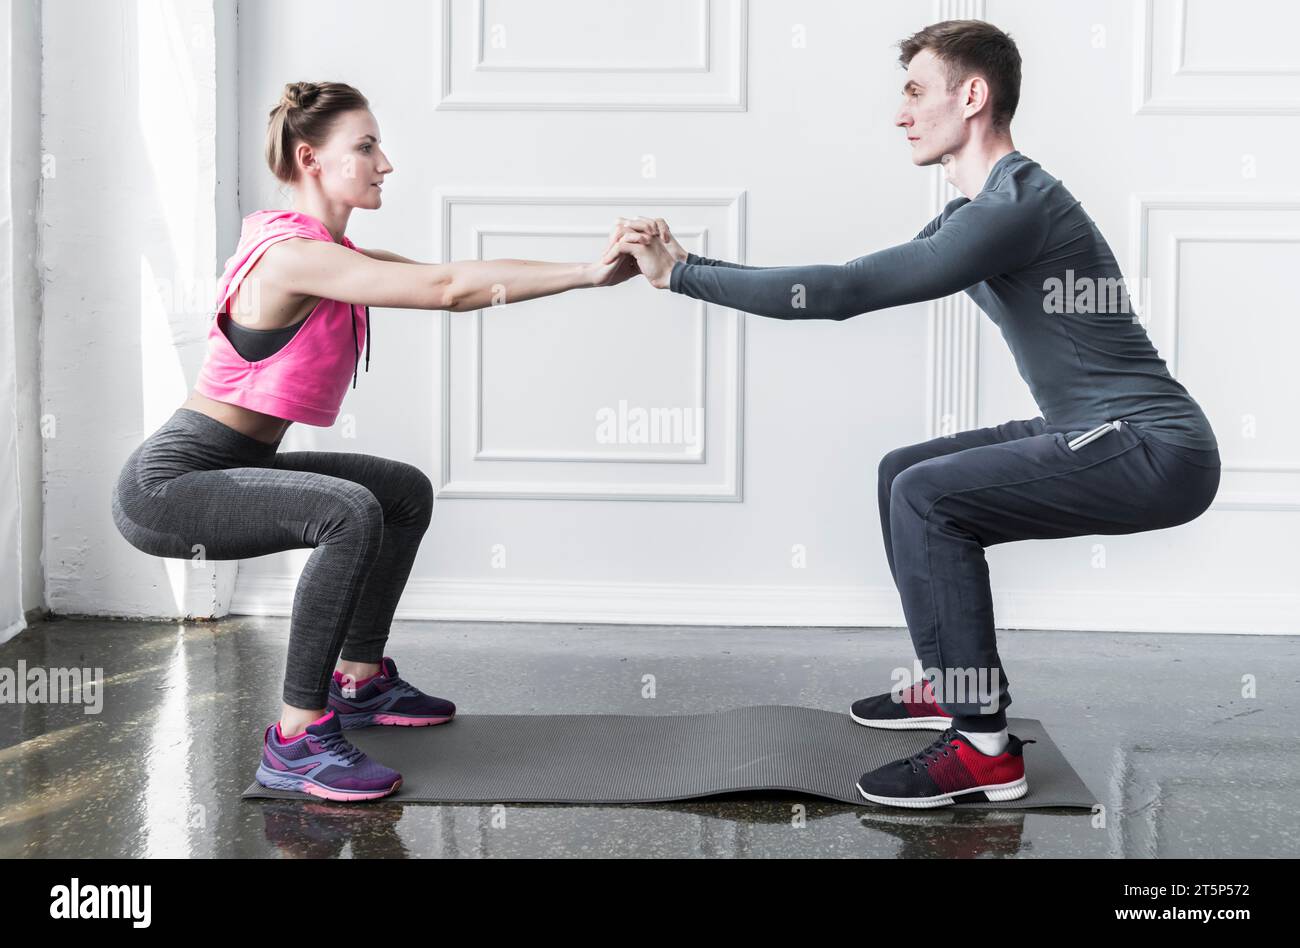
(12, 630)
(1235, 613)
(837, 606)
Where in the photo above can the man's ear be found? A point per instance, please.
(977, 95)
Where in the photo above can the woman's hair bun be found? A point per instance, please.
(306, 112)
(299, 95)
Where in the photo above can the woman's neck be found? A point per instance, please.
(335, 219)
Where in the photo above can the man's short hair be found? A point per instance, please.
(966, 47)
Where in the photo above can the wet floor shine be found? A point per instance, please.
(1188, 739)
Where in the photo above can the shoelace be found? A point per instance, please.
(918, 694)
(336, 743)
(398, 685)
(936, 750)
(405, 689)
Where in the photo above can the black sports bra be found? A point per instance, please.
(254, 345)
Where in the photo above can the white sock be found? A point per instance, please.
(989, 743)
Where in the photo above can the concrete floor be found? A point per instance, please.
(1155, 724)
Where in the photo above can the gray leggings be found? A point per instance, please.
(197, 487)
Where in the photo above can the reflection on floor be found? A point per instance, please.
(1158, 726)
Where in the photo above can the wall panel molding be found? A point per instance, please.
(1277, 483)
(699, 356)
(952, 373)
(585, 482)
(1168, 25)
(720, 69)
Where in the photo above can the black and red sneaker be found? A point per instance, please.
(914, 707)
(950, 770)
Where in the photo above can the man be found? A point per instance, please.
(1120, 446)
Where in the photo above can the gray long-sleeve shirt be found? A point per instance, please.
(1012, 250)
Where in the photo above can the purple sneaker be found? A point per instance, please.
(384, 698)
(322, 762)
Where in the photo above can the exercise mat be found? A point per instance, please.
(631, 758)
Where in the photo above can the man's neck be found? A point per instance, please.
(969, 169)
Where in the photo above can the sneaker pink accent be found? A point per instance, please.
(279, 735)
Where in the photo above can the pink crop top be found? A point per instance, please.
(306, 379)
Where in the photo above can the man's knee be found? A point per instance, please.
(891, 465)
(915, 489)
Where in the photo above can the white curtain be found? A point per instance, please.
(11, 572)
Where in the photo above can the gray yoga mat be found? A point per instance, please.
(628, 758)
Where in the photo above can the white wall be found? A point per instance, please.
(1197, 150)
(779, 153)
(822, 174)
(824, 177)
(130, 229)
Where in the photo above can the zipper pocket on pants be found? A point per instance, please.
(1090, 436)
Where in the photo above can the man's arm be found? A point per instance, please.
(924, 232)
(983, 238)
(929, 229)
(709, 262)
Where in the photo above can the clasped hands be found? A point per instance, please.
(642, 245)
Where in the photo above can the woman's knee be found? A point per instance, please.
(422, 494)
(358, 512)
(416, 492)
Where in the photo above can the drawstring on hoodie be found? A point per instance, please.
(356, 349)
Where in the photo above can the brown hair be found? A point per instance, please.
(973, 46)
(306, 112)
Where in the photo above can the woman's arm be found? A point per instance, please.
(386, 255)
(332, 271)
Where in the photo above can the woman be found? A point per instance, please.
(212, 478)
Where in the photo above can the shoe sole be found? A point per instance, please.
(906, 724)
(275, 780)
(365, 719)
(991, 793)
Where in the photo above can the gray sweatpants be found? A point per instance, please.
(199, 487)
(944, 501)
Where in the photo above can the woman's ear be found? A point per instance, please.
(305, 158)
